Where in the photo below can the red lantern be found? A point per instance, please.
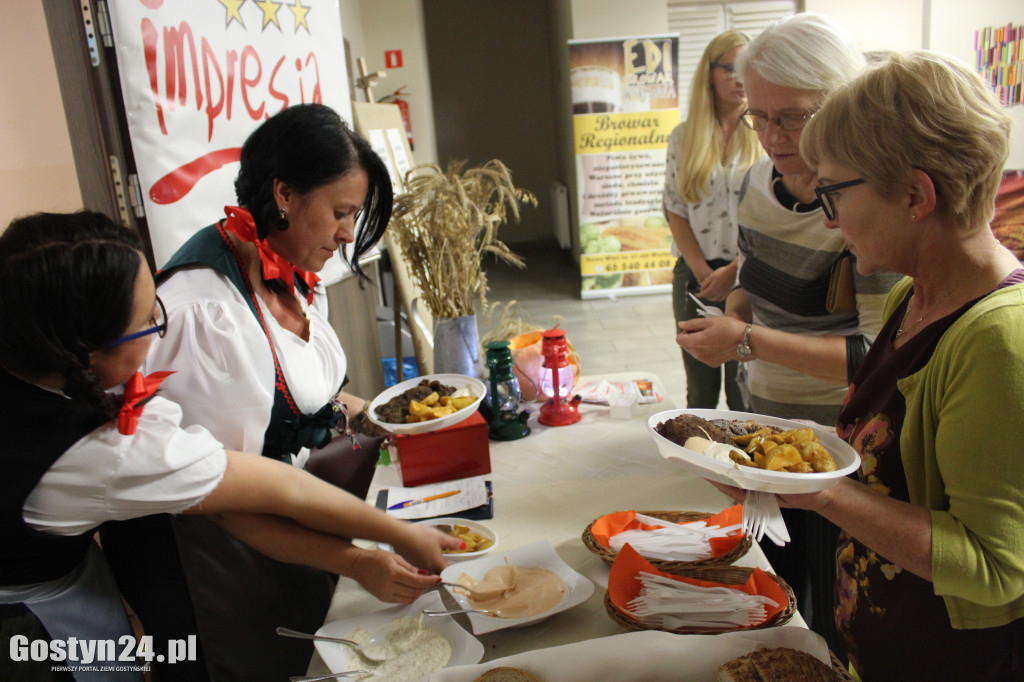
(560, 410)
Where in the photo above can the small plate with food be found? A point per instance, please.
(740, 449)
(425, 404)
(523, 586)
(410, 644)
(479, 539)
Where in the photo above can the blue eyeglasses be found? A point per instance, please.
(159, 327)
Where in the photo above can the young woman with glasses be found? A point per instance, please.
(706, 160)
(798, 355)
(79, 314)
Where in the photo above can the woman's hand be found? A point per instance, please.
(810, 501)
(422, 546)
(718, 284)
(712, 340)
(389, 577)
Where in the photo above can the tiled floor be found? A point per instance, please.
(627, 333)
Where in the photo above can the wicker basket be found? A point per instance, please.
(730, 575)
(675, 567)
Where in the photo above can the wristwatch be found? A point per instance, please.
(743, 349)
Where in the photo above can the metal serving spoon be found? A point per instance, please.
(450, 612)
(375, 657)
(328, 676)
(479, 595)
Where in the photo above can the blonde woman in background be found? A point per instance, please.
(708, 155)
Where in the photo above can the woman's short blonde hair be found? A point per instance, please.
(917, 110)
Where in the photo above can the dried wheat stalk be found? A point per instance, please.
(446, 222)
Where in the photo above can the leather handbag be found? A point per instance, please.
(842, 295)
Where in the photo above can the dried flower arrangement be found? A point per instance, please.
(446, 221)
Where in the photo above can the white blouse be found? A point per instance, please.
(225, 375)
(105, 476)
(713, 218)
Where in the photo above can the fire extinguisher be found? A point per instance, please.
(403, 107)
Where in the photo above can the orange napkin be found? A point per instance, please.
(623, 587)
(610, 525)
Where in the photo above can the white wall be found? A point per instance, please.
(877, 24)
(398, 25)
(593, 19)
(37, 171)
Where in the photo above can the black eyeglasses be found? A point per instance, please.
(730, 69)
(159, 322)
(825, 195)
(788, 122)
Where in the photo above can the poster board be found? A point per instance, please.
(625, 106)
(197, 78)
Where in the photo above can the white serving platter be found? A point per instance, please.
(751, 478)
(475, 386)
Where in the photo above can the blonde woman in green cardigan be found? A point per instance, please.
(930, 565)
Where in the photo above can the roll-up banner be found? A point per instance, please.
(625, 105)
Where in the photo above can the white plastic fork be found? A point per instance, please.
(761, 516)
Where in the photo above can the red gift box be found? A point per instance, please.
(459, 451)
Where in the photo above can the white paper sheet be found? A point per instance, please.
(472, 493)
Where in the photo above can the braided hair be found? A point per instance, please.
(67, 287)
(307, 146)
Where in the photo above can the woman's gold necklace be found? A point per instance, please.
(900, 331)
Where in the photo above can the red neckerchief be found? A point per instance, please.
(241, 224)
(137, 392)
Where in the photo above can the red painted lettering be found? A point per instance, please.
(212, 110)
(249, 55)
(149, 40)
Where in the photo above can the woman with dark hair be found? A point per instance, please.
(259, 366)
(79, 313)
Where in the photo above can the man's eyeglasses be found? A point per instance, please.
(787, 122)
(159, 322)
(730, 69)
(825, 195)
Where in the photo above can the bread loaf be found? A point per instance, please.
(779, 664)
(507, 674)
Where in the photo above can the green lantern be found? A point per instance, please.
(502, 402)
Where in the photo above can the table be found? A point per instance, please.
(551, 485)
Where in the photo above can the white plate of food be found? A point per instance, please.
(477, 531)
(465, 386)
(752, 478)
(422, 659)
(577, 588)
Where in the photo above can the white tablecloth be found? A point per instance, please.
(550, 486)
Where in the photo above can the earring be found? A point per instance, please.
(283, 214)
(913, 216)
